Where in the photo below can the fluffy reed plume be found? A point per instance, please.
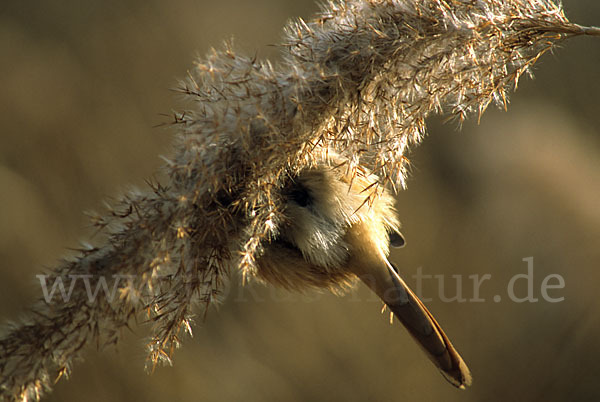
(359, 79)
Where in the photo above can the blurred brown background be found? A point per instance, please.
(82, 83)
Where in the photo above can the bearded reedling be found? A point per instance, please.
(334, 229)
(250, 187)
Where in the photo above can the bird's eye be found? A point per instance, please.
(299, 194)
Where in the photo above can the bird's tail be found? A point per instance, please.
(424, 328)
(420, 323)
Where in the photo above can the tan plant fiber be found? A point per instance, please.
(338, 114)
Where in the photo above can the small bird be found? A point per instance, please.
(337, 227)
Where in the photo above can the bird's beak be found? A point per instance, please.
(382, 277)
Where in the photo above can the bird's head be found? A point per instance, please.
(332, 221)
